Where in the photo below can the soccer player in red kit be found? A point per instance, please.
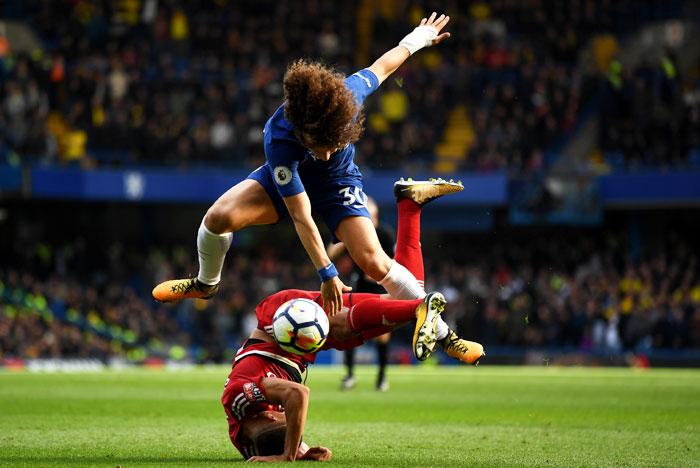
(264, 399)
(266, 403)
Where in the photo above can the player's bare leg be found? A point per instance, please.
(245, 204)
(360, 238)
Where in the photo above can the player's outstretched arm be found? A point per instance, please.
(332, 288)
(426, 34)
(295, 399)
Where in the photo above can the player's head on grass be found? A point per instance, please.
(266, 431)
(325, 115)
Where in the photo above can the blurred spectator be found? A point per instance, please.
(647, 119)
(559, 293)
(193, 82)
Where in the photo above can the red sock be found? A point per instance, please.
(353, 298)
(408, 249)
(375, 313)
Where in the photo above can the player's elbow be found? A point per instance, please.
(300, 215)
(299, 393)
(303, 391)
(297, 216)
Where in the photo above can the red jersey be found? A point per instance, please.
(244, 395)
(265, 312)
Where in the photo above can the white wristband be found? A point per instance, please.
(420, 37)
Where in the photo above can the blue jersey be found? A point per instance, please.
(293, 166)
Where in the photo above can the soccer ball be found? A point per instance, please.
(300, 326)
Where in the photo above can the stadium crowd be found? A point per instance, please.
(588, 299)
(577, 294)
(649, 116)
(184, 83)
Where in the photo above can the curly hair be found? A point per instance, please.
(321, 108)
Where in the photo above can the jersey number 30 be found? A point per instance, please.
(354, 196)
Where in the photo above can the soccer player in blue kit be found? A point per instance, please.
(309, 166)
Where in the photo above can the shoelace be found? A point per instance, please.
(458, 345)
(183, 287)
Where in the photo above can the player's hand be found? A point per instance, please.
(317, 454)
(438, 23)
(332, 294)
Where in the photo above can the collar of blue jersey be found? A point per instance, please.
(313, 156)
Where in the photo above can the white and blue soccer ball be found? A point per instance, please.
(300, 326)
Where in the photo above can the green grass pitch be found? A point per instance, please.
(432, 416)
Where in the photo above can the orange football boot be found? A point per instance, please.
(470, 352)
(179, 289)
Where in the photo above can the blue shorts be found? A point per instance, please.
(336, 200)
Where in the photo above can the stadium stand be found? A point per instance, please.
(650, 117)
(94, 85)
(582, 294)
(148, 82)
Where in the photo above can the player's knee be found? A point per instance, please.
(375, 264)
(219, 219)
